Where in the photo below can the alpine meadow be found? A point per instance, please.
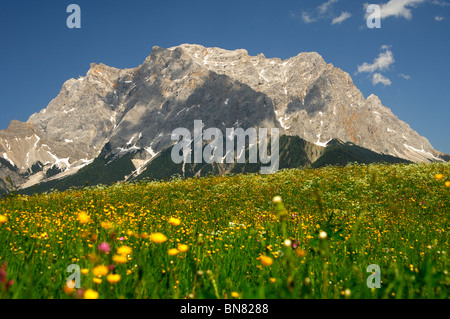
(299, 233)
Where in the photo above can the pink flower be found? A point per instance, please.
(79, 293)
(121, 238)
(3, 273)
(2, 276)
(104, 247)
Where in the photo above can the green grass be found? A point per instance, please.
(395, 216)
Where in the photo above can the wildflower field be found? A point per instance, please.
(300, 233)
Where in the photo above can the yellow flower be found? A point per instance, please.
(3, 219)
(84, 271)
(68, 290)
(174, 221)
(272, 280)
(106, 225)
(300, 252)
(93, 258)
(113, 279)
(266, 261)
(100, 271)
(83, 218)
(235, 294)
(447, 184)
(97, 280)
(90, 294)
(119, 259)
(439, 176)
(173, 251)
(124, 250)
(183, 248)
(158, 238)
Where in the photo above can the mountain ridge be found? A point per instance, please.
(138, 108)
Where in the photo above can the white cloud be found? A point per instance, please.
(324, 7)
(344, 16)
(406, 77)
(379, 78)
(382, 62)
(438, 18)
(324, 12)
(440, 3)
(398, 8)
(307, 18)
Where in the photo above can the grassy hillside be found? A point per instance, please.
(224, 237)
(338, 153)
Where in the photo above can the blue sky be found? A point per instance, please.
(405, 62)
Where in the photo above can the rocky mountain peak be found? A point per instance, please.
(135, 110)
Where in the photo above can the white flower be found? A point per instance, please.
(323, 235)
(277, 200)
(287, 243)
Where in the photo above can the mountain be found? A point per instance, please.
(129, 115)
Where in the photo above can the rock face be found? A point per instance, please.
(10, 178)
(318, 102)
(111, 112)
